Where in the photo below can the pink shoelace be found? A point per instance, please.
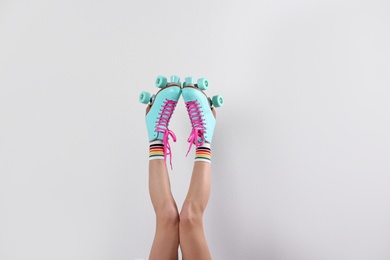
(162, 126)
(198, 125)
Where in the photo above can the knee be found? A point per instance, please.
(191, 215)
(168, 216)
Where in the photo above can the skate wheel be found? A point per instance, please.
(217, 101)
(184, 84)
(190, 81)
(161, 81)
(144, 97)
(203, 84)
(175, 79)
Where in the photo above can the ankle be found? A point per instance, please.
(156, 150)
(203, 153)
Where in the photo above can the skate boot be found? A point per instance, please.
(199, 108)
(162, 105)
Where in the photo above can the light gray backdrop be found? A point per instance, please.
(301, 148)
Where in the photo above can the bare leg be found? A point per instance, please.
(192, 239)
(166, 239)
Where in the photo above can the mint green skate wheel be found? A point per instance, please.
(175, 79)
(144, 97)
(161, 81)
(184, 84)
(217, 101)
(190, 81)
(203, 84)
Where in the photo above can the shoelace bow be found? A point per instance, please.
(198, 125)
(162, 126)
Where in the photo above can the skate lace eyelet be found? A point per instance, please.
(162, 123)
(197, 135)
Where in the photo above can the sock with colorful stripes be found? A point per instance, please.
(203, 153)
(156, 150)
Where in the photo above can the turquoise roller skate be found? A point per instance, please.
(162, 104)
(199, 110)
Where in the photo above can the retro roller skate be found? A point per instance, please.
(162, 104)
(199, 110)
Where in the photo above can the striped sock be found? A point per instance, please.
(203, 153)
(156, 150)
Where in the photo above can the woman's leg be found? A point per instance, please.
(166, 239)
(192, 239)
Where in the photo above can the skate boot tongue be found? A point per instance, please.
(162, 127)
(198, 124)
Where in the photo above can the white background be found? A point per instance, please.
(301, 150)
